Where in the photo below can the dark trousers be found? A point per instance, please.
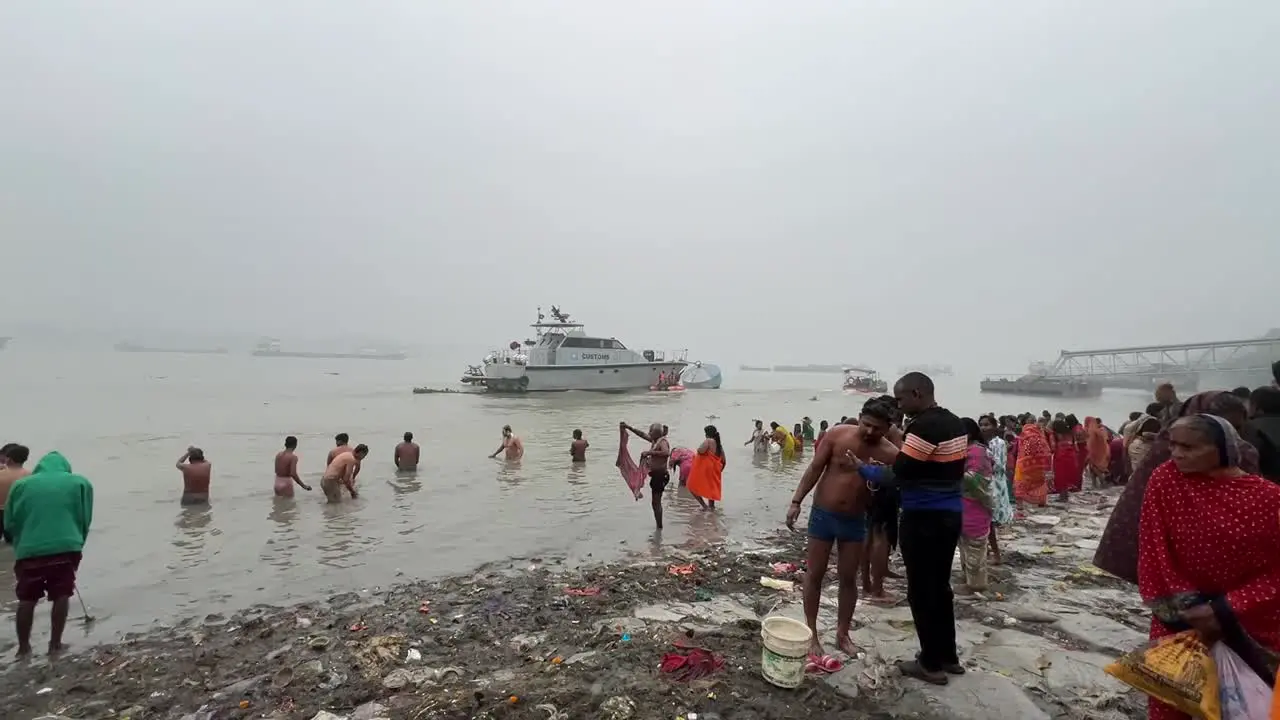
(928, 540)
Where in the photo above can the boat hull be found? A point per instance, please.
(702, 377)
(620, 377)
(1042, 388)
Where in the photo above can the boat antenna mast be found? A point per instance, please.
(560, 317)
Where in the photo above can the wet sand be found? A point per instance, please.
(533, 639)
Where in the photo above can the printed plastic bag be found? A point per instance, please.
(1242, 695)
(1177, 670)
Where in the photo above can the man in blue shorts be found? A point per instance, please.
(839, 514)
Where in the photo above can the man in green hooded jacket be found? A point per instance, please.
(48, 515)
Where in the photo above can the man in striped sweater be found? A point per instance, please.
(929, 471)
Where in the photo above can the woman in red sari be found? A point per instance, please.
(1033, 467)
(1066, 460)
(1207, 544)
(1118, 548)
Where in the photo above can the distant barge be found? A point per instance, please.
(271, 348)
(811, 368)
(1042, 387)
(132, 348)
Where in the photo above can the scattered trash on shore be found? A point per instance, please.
(674, 636)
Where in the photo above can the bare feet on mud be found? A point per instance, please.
(815, 647)
(894, 575)
(881, 598)
(56, 648)
(24, 651)
(845, 643)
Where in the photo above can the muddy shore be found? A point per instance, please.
(537, 638)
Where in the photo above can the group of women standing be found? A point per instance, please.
(1062, 455)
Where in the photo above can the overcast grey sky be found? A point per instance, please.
(973, 182)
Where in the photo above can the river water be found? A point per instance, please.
(123, 419)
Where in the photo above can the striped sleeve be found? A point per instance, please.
(933, 452)
(917, 447)
(951, 450)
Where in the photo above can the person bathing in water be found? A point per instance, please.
(759, 441)
(708, 467)
(407, 454)
(655, 459)
(287, 469)
(578, 448)
(838, 517)
(196, 474)
(342, 442)
(510, 443)
(341, 473)
(12, 458)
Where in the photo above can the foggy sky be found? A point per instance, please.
(981, 183)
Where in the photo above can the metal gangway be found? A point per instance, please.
(1224, 356)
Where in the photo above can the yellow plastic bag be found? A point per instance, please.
(1177, 670)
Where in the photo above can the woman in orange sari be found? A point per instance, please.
(1097, 452)
(1033, 468)
(708, 465)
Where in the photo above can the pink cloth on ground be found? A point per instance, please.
(632, 474)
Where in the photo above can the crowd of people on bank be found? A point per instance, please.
(1195, 527)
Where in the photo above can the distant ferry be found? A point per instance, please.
(271, 348)
(926, 369)
(132, 348)
(754, 368)
(810, 368)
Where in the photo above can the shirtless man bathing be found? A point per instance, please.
(287, 469)
(12, 458)
(655, 459)
(511, 444)
(407, 454)
(341, 473)
(839, 514)
(196, 474)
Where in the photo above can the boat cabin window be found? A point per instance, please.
(577, 341)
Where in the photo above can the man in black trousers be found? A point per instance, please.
(929, 471)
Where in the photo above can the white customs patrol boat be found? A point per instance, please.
(562, 356)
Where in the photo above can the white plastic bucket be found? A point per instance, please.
(786, 646)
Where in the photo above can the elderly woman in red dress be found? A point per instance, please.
(1207, 542)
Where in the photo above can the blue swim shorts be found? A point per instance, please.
(830, 526)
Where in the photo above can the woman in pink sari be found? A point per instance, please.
(682, 460)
